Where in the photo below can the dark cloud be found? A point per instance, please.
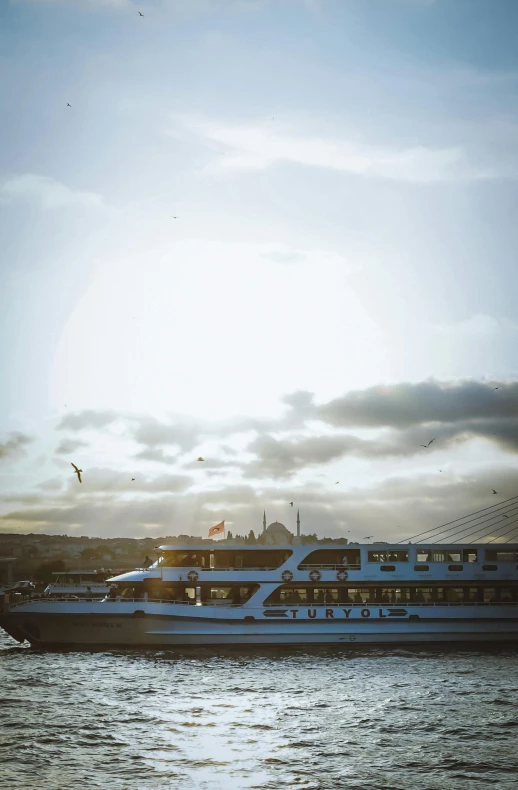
(14, 445)
(403, 405)
(90, 418)
(69, 446)
(283, 457)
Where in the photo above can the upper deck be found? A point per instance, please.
(327, 562)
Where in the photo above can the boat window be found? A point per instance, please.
(387, 568)
(332, 558)
(443, 556)
(501, 556)
(454, 594)
(218, 593)
(185, 559)
(423, 555)
(388, 556)
(231, 594)
(455, 567)
(438, 556)
(508, 594)
(489, 567)
(266, 559)
(361, 595)
(489, 594)
(293, 595)
(469, 555)
(421, 567)
(261, 559)
(428, 594)
(388, 595)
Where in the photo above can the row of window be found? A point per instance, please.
(393, 595)
(162, 591)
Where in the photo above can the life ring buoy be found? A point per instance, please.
(315, 575)
(287, 576)
(342, 575)
(192, 576)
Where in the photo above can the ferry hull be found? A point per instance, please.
(46, 630)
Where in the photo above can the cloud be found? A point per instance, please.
(255, 146)
(153, 433)
(392, 509)
(14, 446)
(69, 446)
(46, 192)
(89, 418)
(155, 454)
(403, 405)
(278, 458)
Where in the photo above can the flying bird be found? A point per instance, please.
(441, 470)
(494, 492)
(77, 471)
(337, 482)
(368, 537)
(291, 503)
(200, 458)
(132, 479)
(173, 216)
(140, 14)
(427, 445)
(69, 105)
(495, 388)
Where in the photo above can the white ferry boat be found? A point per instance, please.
(290, 593)
(84, 584)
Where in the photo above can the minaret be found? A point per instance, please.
(264, 521)
(298, 523)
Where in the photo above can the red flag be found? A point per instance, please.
(217, 530)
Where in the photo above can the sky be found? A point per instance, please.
(275, 234)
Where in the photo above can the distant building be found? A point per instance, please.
(276, 534)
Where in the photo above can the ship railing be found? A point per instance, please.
(391, 603)
(201, 569)
(330, 567)
(77, 600)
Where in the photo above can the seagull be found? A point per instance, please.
(427, 445)
(337, 482)
(173, 216)
(368, 537)
(77, 471)
(494, 492)
(69, 105)
(495, 388)
(200, 458)
(132, 479)
(291, 503)
(140, 14)
(441, 470)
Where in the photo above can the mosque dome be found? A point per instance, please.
(278, 533)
